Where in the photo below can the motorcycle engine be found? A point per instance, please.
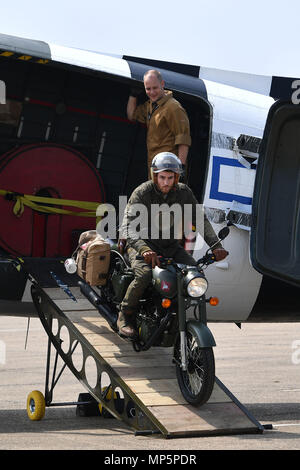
(148, 321)
(145, 331)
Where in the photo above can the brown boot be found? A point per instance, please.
(125, 324)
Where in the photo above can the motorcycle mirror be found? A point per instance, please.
(223, 233)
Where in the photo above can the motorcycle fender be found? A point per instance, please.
(202, 332)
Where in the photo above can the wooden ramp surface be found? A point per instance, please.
(152, 377)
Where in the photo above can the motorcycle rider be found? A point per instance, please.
(163, 189)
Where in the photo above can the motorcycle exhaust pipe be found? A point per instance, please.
(98, 303)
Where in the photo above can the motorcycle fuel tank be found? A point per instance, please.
(164, 281)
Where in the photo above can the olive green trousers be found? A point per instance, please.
(143, 276)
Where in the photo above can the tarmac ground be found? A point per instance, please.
(259, 364)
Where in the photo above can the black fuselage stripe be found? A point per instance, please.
(173, 80)
(25, 46)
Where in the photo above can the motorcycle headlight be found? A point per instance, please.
(197, 287)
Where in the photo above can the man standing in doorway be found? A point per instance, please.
(168, 128)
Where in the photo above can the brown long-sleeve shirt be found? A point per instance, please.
(167, 123)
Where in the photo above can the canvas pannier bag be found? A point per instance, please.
(93, 258)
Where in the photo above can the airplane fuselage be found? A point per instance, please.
(64, 134)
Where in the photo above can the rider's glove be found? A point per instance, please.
(220, 253)
(151, 258)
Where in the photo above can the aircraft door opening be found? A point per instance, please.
(200, 116)
(275, 234)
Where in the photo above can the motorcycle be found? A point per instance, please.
(161, 319)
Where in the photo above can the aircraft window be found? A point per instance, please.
(10, 112)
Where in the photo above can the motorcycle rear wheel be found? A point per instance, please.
(197, 382)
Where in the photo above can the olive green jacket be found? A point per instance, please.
(158, 222)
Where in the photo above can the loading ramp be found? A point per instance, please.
(139, 389)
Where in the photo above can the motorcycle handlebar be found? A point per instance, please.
(162, 260)
(208, 258)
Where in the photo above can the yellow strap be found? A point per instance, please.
(22, 200)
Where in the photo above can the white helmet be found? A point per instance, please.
(165, 161)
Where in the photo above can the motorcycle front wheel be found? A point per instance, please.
(197, 381)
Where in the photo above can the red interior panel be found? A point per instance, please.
(51, 170)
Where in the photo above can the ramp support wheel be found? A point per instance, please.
(115, 399)
(36, 405)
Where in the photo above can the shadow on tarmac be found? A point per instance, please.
(274, 412)
(57, 419)
(64, 419)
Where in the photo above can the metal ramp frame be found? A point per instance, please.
(138, 388)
